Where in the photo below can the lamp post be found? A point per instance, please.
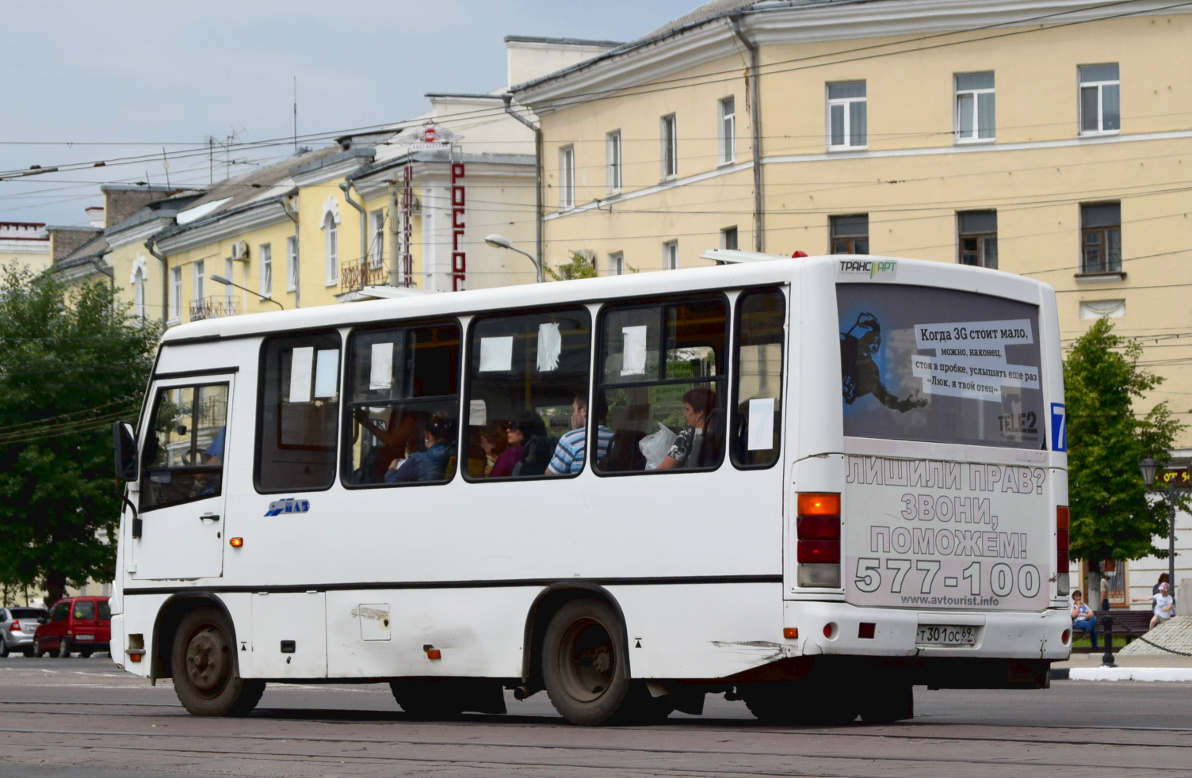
(1150, 469)
(501, 242)
(226, 282)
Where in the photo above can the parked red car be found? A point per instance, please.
(82, 624)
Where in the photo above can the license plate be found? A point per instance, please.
(84, 637)
(943, 635)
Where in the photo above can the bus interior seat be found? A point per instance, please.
(713, 444)
(538, 453)
(624, 452)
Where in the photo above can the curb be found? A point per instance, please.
(1152, 674)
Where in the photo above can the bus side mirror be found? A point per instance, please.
(126, 451)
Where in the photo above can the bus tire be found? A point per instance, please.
(584, 667)
(204, 668)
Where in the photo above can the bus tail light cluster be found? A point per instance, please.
(1061, 550)
(818, 547)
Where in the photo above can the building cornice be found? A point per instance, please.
(780, 23)
(224, 226)
(138, 233)
(24, 246)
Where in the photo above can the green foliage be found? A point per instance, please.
(579, 266)
(1111, 517)
(71, 363)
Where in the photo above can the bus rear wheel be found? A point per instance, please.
(584, 669)
(204, 668)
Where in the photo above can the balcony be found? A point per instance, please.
(212, 308)
(353, 278)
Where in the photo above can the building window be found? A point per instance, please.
(670, 255)
(728, 130)
(138, 293)
(1101, 238)
(291, 264)
(850, 234)
(728, 238)
(566, 178)
(847, 115)
(377, 255)
(198, 280)
(266, 269)
(616, 263)
(175, 293)
(332, 242)
(612, 146)
(670, 147)
(977, 238)
(1100, 99)
(974, 107)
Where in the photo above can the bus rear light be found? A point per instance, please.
(1061, 550)
(790, 633)
(1066, 636)
(829, 630)
(432, 653)
(867, 630)
(817, 529)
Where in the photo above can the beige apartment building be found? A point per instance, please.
(1051, 139)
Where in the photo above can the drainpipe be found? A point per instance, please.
(111, 274)
(346, 187)
(293, 216)
(752, 79)
(165, 284)
(508, 98)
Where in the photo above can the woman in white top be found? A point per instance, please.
(1164, 605)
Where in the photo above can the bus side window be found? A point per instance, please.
(400, 379)
(757, 390)
(298, 416)
(662, 371)
(524, 372)
(183, 456)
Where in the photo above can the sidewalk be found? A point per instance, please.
(1138, 661)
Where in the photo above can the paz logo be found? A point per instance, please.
(288, 505)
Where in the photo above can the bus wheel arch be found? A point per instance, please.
(169, 617)
(547, 604)
(205, 669)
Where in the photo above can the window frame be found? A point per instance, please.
(616, 263)
(1105, 234)
(734, 409)
(566, 177)
(331, 246)
(265, 251)
(670, 255)
(730, 235)
(977, 114)
(161, 393)
(669, 135)
(1099, 86)
(727, 130)
(978, 235)
(846, 105)
(850, 239)
(377, 222)
(614, 161)
(291, 263)
(198, 275)
(175, 303)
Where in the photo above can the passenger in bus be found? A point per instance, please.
(569, 454)
(431, 464)
(699, 405)
(517, 433)
(399, 437)
(493, 442)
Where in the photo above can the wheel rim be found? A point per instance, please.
(587, 660)
(208, 660)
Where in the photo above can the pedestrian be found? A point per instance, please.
(1083, 617)
(1163, 579)
(1164, 605)
(1104, 592)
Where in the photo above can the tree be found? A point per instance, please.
(71, 363)
(578, 266)
(1110, 515)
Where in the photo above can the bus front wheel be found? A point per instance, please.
(204, 668)
(584, 668)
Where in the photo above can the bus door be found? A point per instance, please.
(182, 491)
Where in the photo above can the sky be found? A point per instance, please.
(137, 84)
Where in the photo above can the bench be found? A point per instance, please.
(1129, 623)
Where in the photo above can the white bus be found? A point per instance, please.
(810, 484)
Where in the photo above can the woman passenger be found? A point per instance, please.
(698, 405)
(431, 464)
(516, 433)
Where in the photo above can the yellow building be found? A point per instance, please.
(25, 244)
(1049, 139)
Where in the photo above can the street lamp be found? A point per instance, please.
(1150, 468)
(226, 282)
(501, 242)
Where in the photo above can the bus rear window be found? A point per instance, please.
(940, 365)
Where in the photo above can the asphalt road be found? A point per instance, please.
(79, 718)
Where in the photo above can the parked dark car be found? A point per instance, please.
(82, 624)
(17, 626)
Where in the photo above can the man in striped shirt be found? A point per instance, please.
(569, 453)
